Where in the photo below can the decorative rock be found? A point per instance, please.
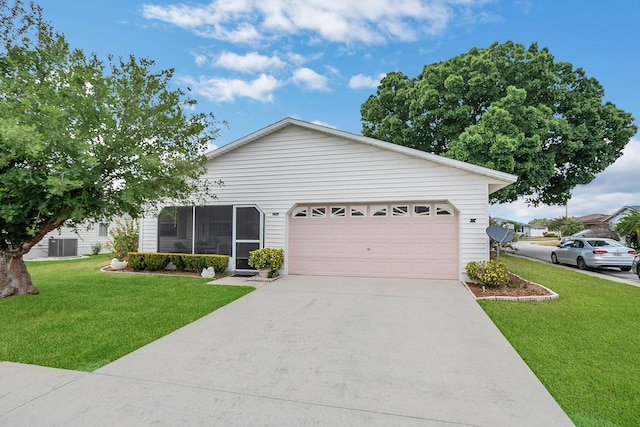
(116, 264)
(208, 273)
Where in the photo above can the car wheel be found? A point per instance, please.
(554, 258)
(581, 264)
(625, 268)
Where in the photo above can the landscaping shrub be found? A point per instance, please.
(489, 273)
(159, 261)
(96, 248)
(155, 262)
(136, 260)
(550, 235)
(267, 259)
(124, 239)
(178, 261)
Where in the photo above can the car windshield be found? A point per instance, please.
(603, 242)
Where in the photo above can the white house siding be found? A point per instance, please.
(87, 236)
(299, 165)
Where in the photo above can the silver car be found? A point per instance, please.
(635, 267)
(594, 252)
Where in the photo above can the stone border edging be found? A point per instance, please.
(522, 299)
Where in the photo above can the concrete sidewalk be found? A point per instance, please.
(304, 351)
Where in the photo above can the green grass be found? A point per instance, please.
(584, 347)
(84, 318)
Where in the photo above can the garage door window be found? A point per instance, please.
(400, 210)
(320, 212)
(338, 211)
(443, 210)
(358, 211)
(421, 210)
(377, 210)
(300, 212)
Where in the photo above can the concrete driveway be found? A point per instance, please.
(304, 351)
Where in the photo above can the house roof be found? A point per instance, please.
(592, 218)
(622, 209)
(502, 179)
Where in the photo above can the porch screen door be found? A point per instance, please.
(248, 234)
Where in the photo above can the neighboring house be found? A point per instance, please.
(615, 217)
(599, 225)
(338, 204)
(536, 230)
(66, 242)
(594, 221)
(524, 230)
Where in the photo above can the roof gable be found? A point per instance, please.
(624, 209)
(500, 179)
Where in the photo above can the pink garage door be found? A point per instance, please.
(374, 240)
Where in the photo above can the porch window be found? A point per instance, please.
(175, 230)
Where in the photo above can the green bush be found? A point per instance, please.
(550, 235)
(178, 261)
(489, 273)
(267, 259)
(136, 260)
(159, 261)
(96, 248)
(155, 262)
(124, 239)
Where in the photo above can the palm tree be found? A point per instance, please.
(630, 226)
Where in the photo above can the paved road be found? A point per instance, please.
(532, 250)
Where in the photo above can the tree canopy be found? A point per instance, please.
(566, 225)
(84, 139)
(509, 108)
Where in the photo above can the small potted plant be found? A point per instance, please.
(267, 261)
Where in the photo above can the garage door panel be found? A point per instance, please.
(390, 246)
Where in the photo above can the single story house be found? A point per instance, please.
(337, 203)
(69, 242)
(522, 229)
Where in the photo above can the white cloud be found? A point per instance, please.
(609, 191)
(248, 63)
(227, 90)
(360, 81)
(200, 59)
(372, 22)
(309, 79)
(297, 59)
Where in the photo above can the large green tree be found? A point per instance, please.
(83, 139)
(510, 108)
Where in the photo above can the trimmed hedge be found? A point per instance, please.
(194, 262)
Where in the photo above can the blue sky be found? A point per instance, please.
(254, 62)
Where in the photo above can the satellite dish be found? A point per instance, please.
(500, 235)
(497, 233)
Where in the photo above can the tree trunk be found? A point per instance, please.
(14, 277)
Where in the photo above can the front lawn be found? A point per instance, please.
(584, 347)
(84, 318)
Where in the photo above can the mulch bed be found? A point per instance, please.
(528, 291)
(162, 272)
(520, 288)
